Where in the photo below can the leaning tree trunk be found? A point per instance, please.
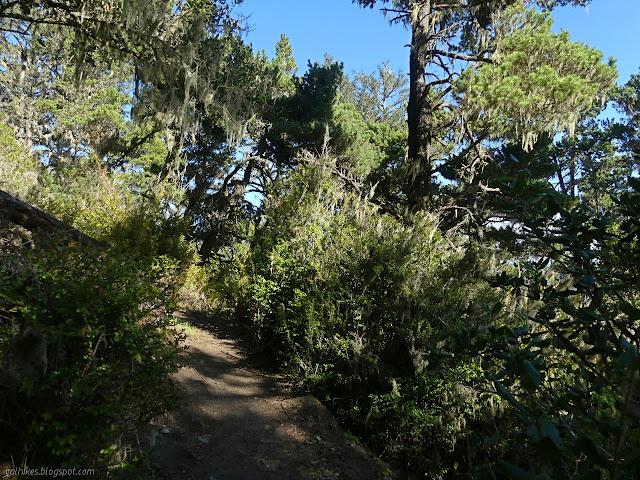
(33, 219)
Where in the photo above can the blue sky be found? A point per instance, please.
(362, 38)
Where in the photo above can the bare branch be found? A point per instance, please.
(459, 56)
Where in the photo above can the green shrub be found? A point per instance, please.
(86, 350)
(360, 308)
(566, 365)
(86, 343)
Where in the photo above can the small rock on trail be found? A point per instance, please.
(238, 423)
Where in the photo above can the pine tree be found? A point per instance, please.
(449, 38)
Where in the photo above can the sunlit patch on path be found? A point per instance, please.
(238, 422)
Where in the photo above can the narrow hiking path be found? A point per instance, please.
(240, 423)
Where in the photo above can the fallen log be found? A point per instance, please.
(34, 219)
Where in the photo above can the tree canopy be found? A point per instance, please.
(483, 37)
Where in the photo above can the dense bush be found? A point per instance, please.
(567, 362)
(392, 326)
(86, 343)
(86, 349)
(361, 308)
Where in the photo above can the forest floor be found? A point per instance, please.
(239, 421)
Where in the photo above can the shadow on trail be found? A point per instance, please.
(225, 328)
(238, 423)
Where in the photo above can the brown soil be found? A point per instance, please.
(239, 422)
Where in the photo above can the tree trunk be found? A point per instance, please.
(31, 218)
(419, 112)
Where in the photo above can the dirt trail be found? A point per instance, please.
(239, 423)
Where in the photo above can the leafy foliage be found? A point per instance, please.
(86, 343)
(537, 81)
(86, 350)
(360, 308)
(379, 97)
(359, 250)
(567, 362)
(163, 41)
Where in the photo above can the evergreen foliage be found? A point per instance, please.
(450, 263)
(538, 81)
(361, 309)
(87, 343)
(566, 360)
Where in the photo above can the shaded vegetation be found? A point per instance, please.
(450, 264)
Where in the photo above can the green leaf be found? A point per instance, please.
(632, 312)
(588, 315)
(516, 473)
(630, 358)
(545, 437)
(542, 342)
(530, 376)
(587, 281)
(549, 430)
(507, 395)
